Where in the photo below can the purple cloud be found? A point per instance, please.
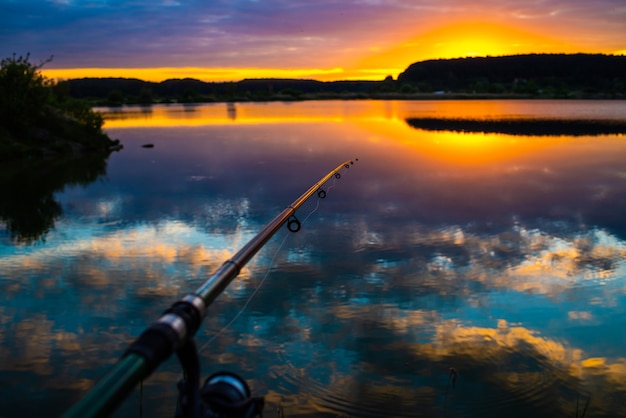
(272, 33)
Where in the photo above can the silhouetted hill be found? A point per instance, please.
(120, 90)
(102, 87)
(174, 87)
(521, 73)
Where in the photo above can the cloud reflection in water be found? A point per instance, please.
(508, 267)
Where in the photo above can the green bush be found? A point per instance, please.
(27, 98)
(24, 92)
(37, 117)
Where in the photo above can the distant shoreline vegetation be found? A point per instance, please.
(521, 126)
(39, 119)
(534, 76)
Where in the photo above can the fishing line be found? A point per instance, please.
(267, 273)
(269, 270)
(256, 290)
(174, 330)
(245, 305)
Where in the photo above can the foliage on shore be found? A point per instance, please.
(39, 118)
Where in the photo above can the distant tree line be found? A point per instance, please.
(534, 75)
(117, 91)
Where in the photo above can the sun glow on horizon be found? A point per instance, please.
(471, 39)
(218, 74)
(467, 38)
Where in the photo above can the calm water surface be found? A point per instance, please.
(499, 256)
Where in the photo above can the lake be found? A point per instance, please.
(447, 273)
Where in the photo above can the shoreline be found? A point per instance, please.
(361, 96)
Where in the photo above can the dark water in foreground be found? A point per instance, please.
(501, 256)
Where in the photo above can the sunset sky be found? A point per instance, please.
(220, 40)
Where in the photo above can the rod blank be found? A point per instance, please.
(180, 322)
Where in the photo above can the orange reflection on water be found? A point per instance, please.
(476, 149)
(519, 152)
(286, 112)
(464, 149)
(211, 114)
(378, 123)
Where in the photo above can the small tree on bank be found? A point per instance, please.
(36, 118)
(27, 98)
(24, 92)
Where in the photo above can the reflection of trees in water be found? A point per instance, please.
(29, 208)
(231, 110)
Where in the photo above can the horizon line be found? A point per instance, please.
(238, 74)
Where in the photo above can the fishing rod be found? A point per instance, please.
(223, 394)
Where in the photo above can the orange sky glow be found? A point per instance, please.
(326, 40)
(387, 57)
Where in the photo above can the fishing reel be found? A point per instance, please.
(229, 395)
(223, 394)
